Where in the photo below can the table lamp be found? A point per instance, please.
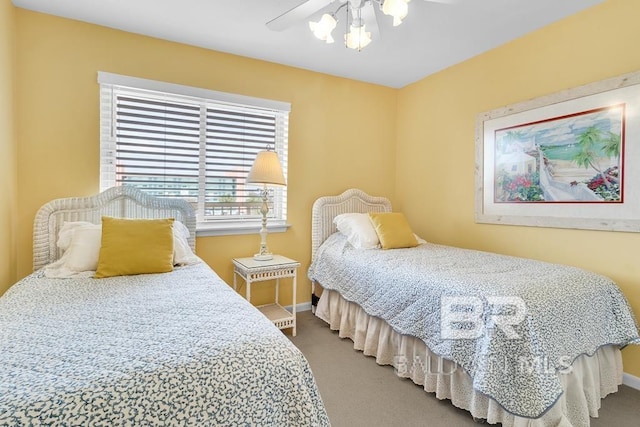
(266, 170)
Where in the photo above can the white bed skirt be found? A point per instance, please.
(589, 380)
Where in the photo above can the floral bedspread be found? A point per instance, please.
(512, 323)
(178, 348)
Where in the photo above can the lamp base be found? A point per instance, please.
(263, 257)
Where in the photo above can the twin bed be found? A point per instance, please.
(182, 348)
(513, 341)
(175, 348)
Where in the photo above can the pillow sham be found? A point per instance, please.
(82, 248)
(80, 259)
(419, 239)
(135, 246)
(182, 253)
(358, 229)
(66, 232)
(393, 230)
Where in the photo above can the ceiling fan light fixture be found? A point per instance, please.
(357, 38)
(396, 8)
(323, 28)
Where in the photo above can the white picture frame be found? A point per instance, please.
(612, 108)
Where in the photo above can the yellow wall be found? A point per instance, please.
(8, 161)
(57, 119)
(436, 131)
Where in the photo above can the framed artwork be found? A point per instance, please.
(569, 160)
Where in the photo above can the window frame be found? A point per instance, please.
(211, 227)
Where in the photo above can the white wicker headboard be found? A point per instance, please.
(328, 207)
(120, 202)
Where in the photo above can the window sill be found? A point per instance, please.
(204, 229)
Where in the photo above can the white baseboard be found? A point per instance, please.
(305, 306)
(631, 381)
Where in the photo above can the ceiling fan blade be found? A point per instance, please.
(297, 14)
(370, 20)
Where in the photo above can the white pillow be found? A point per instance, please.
(420, 240)
(66, 232)
(81, 242)
(358, 229)
(80, 259)
(182, 253)
(84, 249)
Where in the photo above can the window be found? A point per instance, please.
(178, 141)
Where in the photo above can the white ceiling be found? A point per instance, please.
(434, 36)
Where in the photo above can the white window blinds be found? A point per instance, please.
(164, 140)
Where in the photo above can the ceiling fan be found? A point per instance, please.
(360, 17)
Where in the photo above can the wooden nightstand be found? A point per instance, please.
(258, 271)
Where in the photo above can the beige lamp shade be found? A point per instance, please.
(266, 169)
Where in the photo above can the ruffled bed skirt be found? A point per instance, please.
(589, 380)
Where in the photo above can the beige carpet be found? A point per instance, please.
(359, 392)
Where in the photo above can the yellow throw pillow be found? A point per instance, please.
(393, 230)
(135, 246)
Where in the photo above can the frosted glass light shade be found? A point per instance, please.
(357, 38)
(266, 169)
(323, 28)
(396, 8)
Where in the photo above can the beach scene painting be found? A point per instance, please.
(576, 158)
